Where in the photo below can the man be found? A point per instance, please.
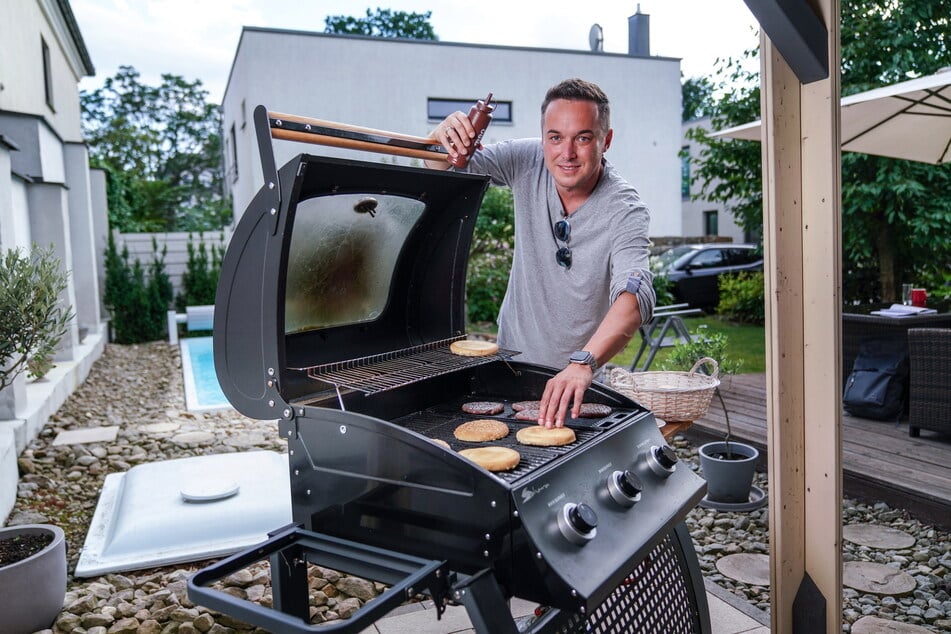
(580, 284)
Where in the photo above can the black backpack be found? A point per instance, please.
(876, 387)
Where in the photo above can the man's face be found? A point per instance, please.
(573, 144)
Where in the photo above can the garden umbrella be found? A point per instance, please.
(909, 120)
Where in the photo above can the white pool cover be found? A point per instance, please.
(187, 509)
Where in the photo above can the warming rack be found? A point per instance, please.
(392, 370)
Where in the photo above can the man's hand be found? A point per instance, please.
(455, 133)
(563, 389)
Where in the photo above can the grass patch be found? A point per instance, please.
(747, 343)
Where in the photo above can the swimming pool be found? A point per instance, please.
(202, 392)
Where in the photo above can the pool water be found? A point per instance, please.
(202, 392)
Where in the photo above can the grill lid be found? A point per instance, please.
(341, 259)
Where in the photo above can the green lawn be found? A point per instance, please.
(746, 343)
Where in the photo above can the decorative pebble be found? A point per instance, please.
(745, 567)
(875, 536)
(876, 625)
(878, 578)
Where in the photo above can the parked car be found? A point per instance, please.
(694, 269)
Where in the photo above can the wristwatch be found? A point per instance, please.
(585, 358)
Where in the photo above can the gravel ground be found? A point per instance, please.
(136, 387)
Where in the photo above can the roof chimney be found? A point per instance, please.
(639, 34)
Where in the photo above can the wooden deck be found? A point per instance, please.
(880, 461)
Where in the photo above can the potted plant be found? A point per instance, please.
(32, 576)
(728, 466)
(32, 319)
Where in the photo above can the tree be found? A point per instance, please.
(384, 23)
(161, 150)
(892, 209)
(697, 98)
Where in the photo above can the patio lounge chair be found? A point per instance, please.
(929, 352)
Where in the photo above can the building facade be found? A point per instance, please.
(48, 196)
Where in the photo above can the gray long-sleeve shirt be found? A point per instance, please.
(548, 311)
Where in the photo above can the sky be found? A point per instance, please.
(197, 39)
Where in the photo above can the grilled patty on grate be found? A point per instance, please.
(483, 408)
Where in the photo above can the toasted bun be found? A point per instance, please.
(493, 458)
(481, 430)
(472, 348)
(440, 441)
(544, 436)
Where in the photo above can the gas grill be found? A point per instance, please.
(340, 294)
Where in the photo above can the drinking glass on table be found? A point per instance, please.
(906, 294)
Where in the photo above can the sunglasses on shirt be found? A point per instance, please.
(562, 230)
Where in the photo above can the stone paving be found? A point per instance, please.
(138, 391)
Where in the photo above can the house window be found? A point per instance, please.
(710, 223)
(234, 154)
(685, 172)
(47, 75)
(439, 109)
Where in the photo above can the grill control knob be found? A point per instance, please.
(662, 460)
(578, 523)
(625, 488)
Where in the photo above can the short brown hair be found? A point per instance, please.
(581, 90)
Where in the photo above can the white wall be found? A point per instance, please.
(384, 84)
(22, 23)
(693, 210)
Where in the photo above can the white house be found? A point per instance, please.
(406, 86)
(703, 217)
(48, 196)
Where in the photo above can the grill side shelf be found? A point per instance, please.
(392, 370)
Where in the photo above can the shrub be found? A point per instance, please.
(683, 355)
(32, 321)
(200, 279)
(490, 259)
(742, 297)
(138, 303)
(664, 289)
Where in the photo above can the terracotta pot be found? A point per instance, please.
(32, 590)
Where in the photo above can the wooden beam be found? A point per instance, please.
(802, 241)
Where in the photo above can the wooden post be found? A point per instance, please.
(802, 241)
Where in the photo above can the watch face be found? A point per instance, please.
(580, 357)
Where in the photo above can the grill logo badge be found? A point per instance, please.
(528, 494)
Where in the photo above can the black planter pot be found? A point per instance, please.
(729, 480)
(32, 590)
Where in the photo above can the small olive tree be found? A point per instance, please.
(32, 319)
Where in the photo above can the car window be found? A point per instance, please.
(708, 258)
(742, 256)
(672, 254)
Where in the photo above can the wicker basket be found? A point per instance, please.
(674, 397)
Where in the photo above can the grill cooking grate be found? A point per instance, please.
(392, 370)
(441, 426)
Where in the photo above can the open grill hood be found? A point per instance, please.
(323, 268)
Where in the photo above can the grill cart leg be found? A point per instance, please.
(289, 582)
(488, 610)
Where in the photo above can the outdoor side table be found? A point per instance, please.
(857, 328)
